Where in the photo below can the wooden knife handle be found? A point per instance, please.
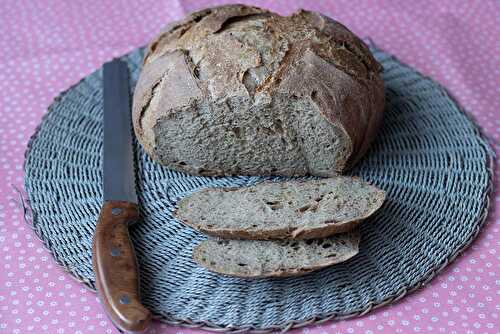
(115, 267)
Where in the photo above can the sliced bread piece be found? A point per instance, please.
(282, 210)
(275, 258)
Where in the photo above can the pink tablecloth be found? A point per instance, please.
(45, 46)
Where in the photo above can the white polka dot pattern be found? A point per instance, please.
(47, 47)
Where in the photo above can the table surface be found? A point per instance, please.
(46, 46)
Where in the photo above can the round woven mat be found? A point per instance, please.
(429, 157)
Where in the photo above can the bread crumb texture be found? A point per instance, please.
(277, 210)
(244, 258)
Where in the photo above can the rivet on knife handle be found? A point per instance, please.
(115, 267)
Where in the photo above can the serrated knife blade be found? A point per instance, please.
(118, 154)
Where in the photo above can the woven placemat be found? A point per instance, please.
(429, 157)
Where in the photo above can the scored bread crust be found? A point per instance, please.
(207, 252)
(319, 62)
(327, 228)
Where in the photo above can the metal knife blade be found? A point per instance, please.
(118, 160)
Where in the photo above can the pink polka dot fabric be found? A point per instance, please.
(46, 46)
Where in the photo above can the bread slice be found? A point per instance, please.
(275, 258)
(302, 209)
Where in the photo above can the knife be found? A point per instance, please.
(113, 257)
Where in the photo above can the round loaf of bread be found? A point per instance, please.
(240, 90)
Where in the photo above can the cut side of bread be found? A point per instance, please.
(301, 209)
(276, 258)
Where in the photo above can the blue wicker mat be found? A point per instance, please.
(429, 157)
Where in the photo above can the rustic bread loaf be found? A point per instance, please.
(241, 90)
(277, 210)
(251, 258)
